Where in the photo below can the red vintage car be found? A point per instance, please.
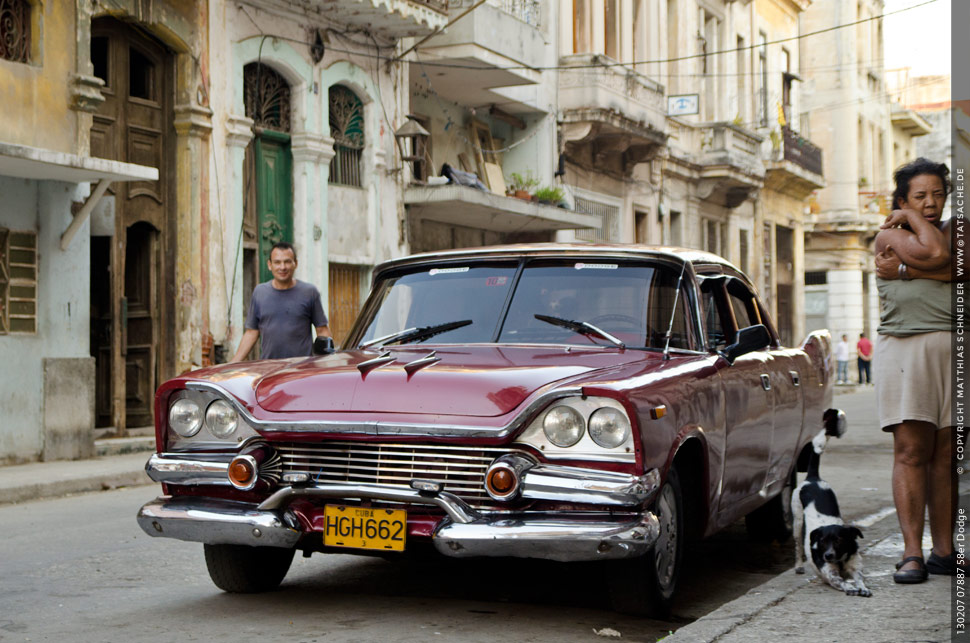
(566, 402)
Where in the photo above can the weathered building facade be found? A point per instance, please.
(849, 114)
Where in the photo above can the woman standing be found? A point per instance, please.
(913, 374)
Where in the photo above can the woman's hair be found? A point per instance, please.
(906, 173)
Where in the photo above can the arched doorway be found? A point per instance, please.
(267, 174)
(131, 268)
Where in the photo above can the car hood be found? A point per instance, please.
(480, 381)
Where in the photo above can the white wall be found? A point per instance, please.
(63, 309)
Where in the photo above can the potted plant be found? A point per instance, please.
(519, 186)
(549, 195)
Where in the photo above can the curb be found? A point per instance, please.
(37, 480)
(744, 609)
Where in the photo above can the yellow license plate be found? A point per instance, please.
(363, 528)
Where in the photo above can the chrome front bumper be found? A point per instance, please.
(464, 532)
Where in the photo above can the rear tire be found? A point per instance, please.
(246, 570)
(645, 586)
(773, 520)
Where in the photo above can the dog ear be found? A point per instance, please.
(852, 529)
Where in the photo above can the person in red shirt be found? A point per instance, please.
(863, 349)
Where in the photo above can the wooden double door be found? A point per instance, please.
(132, 267)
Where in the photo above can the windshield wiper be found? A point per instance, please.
(584, 328)
(416, 334)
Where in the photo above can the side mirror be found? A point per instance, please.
(323, 346)
(752, 338)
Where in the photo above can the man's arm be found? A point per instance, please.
(245, 345)
(323, 331)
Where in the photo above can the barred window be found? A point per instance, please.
(609, 216)
(347, 130)
(816, 278)
(18, 282)
(266, 95)
(15, 30)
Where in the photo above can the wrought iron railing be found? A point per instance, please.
(801, 151)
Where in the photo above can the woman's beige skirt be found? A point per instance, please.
(914, 379)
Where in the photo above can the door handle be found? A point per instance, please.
(766, 381)
(795, 378)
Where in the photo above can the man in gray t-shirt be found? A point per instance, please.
(282, 311)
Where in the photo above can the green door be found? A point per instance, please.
(274, 194)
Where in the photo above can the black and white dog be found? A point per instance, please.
(821, 535)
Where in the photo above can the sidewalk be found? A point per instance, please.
(795, 608)
(121, 465)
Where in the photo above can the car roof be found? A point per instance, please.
(670, 253)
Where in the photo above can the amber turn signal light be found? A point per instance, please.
(501, 481)
(243, 472)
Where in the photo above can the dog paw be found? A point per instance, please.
(799, 570)
(865, 592)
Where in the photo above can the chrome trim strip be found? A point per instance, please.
(455, 507)
(592, 486)
(176, 469)
(216, 522)
(381, 428)
(551, 538)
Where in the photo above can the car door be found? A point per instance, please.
(748, 401)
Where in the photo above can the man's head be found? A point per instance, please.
(845, 338)
(282, 263)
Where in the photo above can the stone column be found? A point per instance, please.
(239, 132)
(312, 154)
(193, 124)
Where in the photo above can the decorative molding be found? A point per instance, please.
(310, 147)
(86, 93)
(193, 120)
(239, 131)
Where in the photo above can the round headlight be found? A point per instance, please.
(563, 426)
(185, 417)
(609, 427)
(221, 419)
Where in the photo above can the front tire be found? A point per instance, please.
(774, 519)
(645, 586)
(247, 570)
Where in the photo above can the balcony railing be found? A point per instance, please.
(800, 151)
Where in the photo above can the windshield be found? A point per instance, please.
(632, 302)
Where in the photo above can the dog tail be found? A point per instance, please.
(818, 447)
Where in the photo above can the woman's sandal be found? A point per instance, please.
(944, 565)
(910, 576)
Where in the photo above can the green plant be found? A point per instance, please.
(519, 182)
(549, 194)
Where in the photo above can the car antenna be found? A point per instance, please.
(670, 326)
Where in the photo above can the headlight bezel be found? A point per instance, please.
(204, 438)
(585, 448)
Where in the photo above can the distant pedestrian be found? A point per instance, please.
(842, 360)
(863, 349)
(282, 311)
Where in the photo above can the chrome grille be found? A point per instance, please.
(461, 470)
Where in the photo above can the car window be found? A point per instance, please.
(716, 334)
(441, 295)
(632, 302)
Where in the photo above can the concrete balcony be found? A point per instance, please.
(795, 167)
(613, 117)
(393, 19)
(477, 51)
(731, 165)
(471, 208)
